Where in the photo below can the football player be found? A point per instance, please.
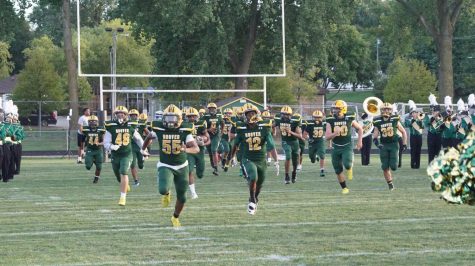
(137, 160)
(228, 124)
(267, 118)
(338, 131)
(94, 142)
(215, 125)
(118, 139)
(290, 131)
(253, 137)
(301, 141)
(197, 160)
(315, 134)
(175, 141)
(386, 128)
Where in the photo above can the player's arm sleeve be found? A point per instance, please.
(137, 138)
(107, 140)
(270, 141)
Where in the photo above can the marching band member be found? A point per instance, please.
(416, 127)
(460, 131)
(448, 128)
(366, 149)
(434, 130)
(468, 122)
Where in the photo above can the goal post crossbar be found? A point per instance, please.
(102, 91)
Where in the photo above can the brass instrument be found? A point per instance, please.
(372, 106)
(421, 116)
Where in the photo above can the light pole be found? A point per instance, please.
(113, 58)
(378, 42)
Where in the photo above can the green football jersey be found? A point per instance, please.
(344, 124)
(214, 121)
(142, 125)
(316, 130)
(121, 134)
(283, 125)
(228, 126)
(253, 141)
(94, 136)
(199, 128)
(387, 129)
(170, 142)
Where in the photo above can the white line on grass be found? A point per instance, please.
(158, 227)
(283, 258)
(227, 206)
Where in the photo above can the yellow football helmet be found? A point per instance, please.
(134, 112)
(266, 114)
(317, 114)
(192, 114)
(93, 121)
(228, 112)
(121, 109)
(172, 116)
(286, 110)
(143, 117)
(212, 108)
(249, 107)
(386, 109)
(211, 105)
(202, 111)
(339, 108)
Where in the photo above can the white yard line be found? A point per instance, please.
(159, 227)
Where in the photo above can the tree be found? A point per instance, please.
(39, 81)
(6, 66)
(439, 18)
(409, 79)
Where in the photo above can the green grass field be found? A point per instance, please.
(52, 214)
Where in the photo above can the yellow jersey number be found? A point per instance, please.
(94, 140)
(317, 133)
(254, 143)
(343, 130)
(387, 132)
(122, 139)
(171, 146)
(284, 129)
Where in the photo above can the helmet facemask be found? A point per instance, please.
(171, 121)
(251, 117)
(121, 117)
(285, 117)
(386, 112)
(192, 118)
(93, 124)
(134, 117)
(212, 110)
(337, 111)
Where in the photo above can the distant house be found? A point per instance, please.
(236, 102)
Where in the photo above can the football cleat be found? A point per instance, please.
(128, 188)
(345, 191)
(299, 167)
(251, 208)
(391, 186)
(287, 179)
(136, 183)
(294, 177)
(122, 201)
(322, 172)
(349, 174)
(215, 171)
(95, 180)
(175, 222)
(79, 162)
(166, 199)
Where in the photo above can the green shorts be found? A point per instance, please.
(389, 156)
(94, 157)
(316, 148)
(180, 179)
(226, 146)
(342, 157)
(291, 149)
(121, 164)
(301, 146)
(213, 146)
(255, 171)
(197, 160)
(137, 157)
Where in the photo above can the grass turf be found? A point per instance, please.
(52, 214)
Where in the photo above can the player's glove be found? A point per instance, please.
(277, 168)
(199, 141)
(376, 142)
(404, 147)
(114, 147)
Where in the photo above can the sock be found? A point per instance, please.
(322, 170)
(343, 184)
(79, 158)
(123, 194)
(390, 184)
(192, 189)
(97, 176)
(294, 175)
(175, 215)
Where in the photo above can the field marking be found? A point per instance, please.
(282, 258)
(159, 227)
(227, 206)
